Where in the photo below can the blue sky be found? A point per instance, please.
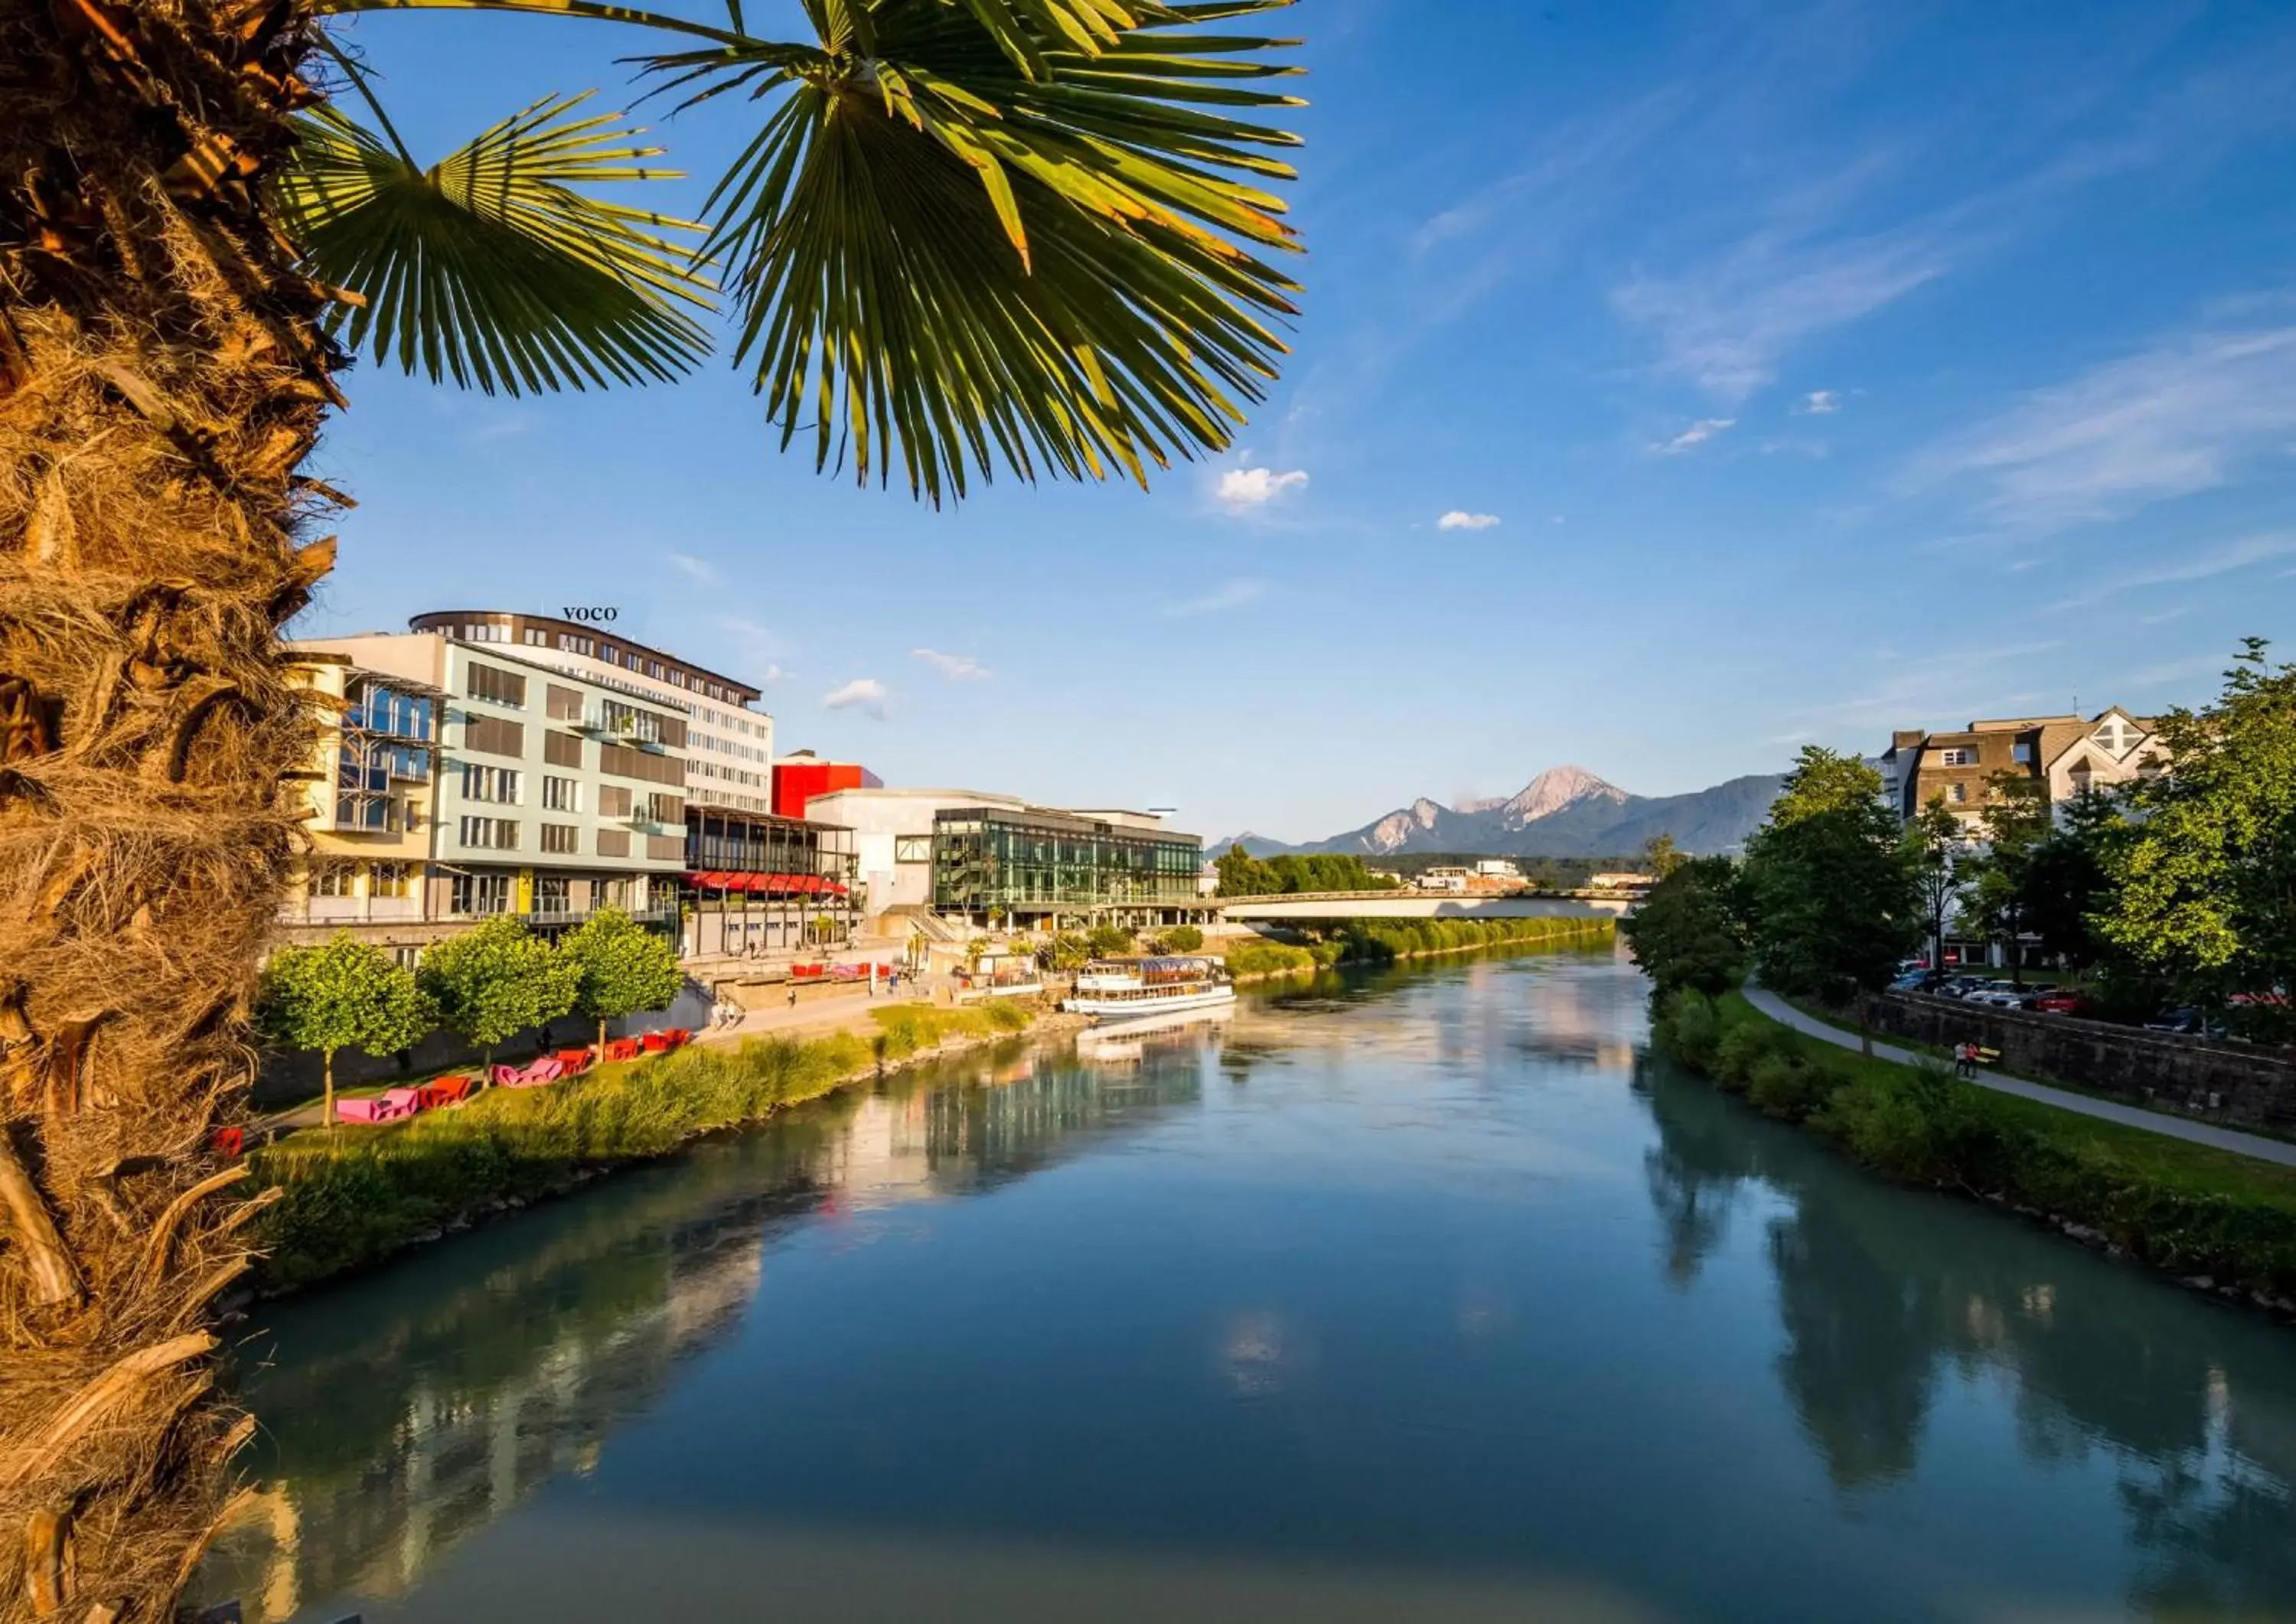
(1676, 384)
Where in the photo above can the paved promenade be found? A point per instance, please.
(2105, 1110)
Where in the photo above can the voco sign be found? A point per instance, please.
(595, 614)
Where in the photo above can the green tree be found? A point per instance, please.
(495, 980)
(341, 994)
(1183, 939)
(2206, 879)
(1108, 941)
(1241, 874)
(2067, 884)
(957, 238)
(1936, 848)
(1687, 932)
(2017, 820)
(1661, 857)
(620, 968)
(1828, 889)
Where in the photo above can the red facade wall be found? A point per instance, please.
(796, 782)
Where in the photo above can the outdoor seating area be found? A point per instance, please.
(396, 1104)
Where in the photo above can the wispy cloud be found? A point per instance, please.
(2169, 673)
(1241, 488)
(866, 694)
(1228, 596)
(1696, 435)
(2203, 565)
(1727, 324)
(1820, 403)
(701, 568)
(957, 667)
(1459, 519)
(761, 646)
(2181, 417)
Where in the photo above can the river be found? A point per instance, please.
(1426, 1295)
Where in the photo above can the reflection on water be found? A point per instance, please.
(404, 1412)
(1427, 1294)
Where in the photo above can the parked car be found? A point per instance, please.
(2186, 1022)
(2061, 1002)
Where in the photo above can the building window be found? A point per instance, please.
(562, 750)
(2022, 752)
(495, 686)
(480, 894)
(391, 879)
(2112, 737)
(498, 784)
(494, 735)
(665, 809)
(407, 959)
(1957, 793)
(560, 838)
(614, 799)
(613, 843)
(553, 894)
(491, 833)
(1958, 754)
(539, 639)
(561, 794)
(562, 704)
(334, 880)
(913, 849)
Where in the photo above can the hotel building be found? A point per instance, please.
(729, 745)
(552, 794)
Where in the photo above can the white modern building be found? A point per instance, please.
(893, 837)
(730, 744)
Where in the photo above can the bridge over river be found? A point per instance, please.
(1304, 908)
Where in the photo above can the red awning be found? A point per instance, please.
(738, 880)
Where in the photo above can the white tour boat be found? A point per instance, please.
(1126, 989)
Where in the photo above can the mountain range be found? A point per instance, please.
(1564, 812)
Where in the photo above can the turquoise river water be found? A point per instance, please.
(1428, 1295)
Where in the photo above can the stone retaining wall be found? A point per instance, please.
(2226, 1082)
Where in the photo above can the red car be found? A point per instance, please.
(2061, 1003)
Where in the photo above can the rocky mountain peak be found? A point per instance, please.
(1554, 790)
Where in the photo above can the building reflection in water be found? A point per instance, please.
(1887, 1299)
(407, 1412)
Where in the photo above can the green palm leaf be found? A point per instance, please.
(958, 245)
(490, 268)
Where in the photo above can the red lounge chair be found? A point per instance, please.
(678, 1037)
(443, 1091)
(403, 1102)
(657, 1043)
(573, 1062)
(229, 1141)
(624, 1048)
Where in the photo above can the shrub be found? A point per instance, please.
(1688, 1027)
(1107, 941)
(1267, 958)
(1790, 1086)
(1741, 1046)
(1183, 939)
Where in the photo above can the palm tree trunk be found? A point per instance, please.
(160, 379)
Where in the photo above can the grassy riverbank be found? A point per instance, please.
(2199, 1213)
(1385, 941)
(349, 1197)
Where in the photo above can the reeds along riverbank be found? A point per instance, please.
(2217, 1221)
(344, 1198)
(1385, 941)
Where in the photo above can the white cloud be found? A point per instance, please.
(701, 568)
(1460, 520)
(1697, 434)
(2178, 418)
(1229, 594)
(1727, 324)
(2201, 566)
(863, 694)
(1820, 403)
(957, 667)
(1249, 487)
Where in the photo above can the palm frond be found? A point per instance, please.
(490, 268)
(955, 254)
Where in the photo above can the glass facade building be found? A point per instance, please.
(1039, 862)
